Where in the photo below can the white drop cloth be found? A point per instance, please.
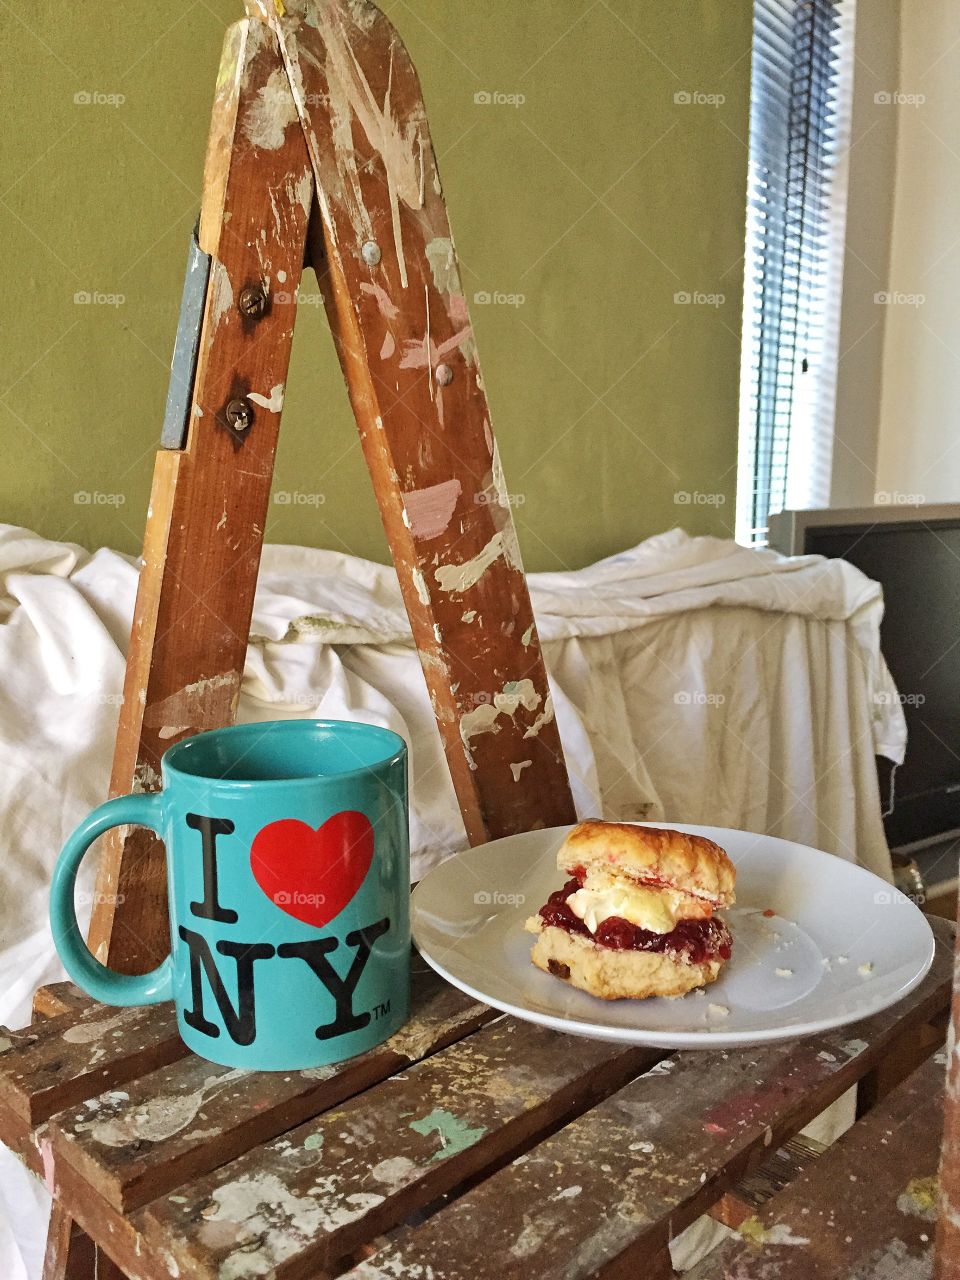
(694, 680)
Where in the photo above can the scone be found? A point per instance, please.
(636, 916)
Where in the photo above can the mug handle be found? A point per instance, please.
(105, 985)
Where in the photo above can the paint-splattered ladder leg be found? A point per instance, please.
(72, 1255)
(402, 329)
(210, 496)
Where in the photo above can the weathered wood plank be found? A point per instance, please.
(75, 1056)
(189, 1118)
(866, 1209)
(402, 327)
(209, 502)
(21, 1138)
(304, 1200)
(615, 1185)
(59, 997)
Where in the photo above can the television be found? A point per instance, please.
(914, 553)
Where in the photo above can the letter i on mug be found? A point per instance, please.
(288, 876)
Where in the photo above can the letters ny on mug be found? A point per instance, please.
(277, 867)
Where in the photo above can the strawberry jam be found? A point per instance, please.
(697, 940)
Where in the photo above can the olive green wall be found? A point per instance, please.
(597, 199)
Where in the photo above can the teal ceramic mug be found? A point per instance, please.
(288, 875)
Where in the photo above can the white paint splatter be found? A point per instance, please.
(461, 577)
(517, 769)
(853, 1048)
(783, 1234)
(443, 265)
(157, 1119)
(396, 141)
(545, 717)
(532, 1236)
(483, 719)
(752, 1229)
(303, 192)
(273, 402)
(88, 1032)
(272, 111)
(199, 705)
(320, 1073)
(222, 292)
(394, 1172)
(279, 1220)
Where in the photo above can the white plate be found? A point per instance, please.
(845, 943)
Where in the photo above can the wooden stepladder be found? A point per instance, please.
(320, 155)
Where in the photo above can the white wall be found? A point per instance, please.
(898, 386)
(919, 429)
(866, 266)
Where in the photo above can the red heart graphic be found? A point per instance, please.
(312, 875)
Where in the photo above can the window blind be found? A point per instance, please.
(796, 199)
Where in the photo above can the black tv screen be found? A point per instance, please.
(918, 565)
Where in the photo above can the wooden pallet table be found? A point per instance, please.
(469, 1145)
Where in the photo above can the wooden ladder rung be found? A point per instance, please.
(605, 1195)
(59, 997)
(191, 1117)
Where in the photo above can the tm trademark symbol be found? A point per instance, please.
(380, 1010)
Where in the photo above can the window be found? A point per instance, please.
(796, 221)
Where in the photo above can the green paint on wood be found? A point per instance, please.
(579, 214)
(313, 1142)
(453, 1133)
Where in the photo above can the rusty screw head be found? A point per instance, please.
(239, 415)
(371, 253)
(444, 375)
(253, 301)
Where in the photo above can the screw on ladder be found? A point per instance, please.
(253, 301)
(239, 415)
